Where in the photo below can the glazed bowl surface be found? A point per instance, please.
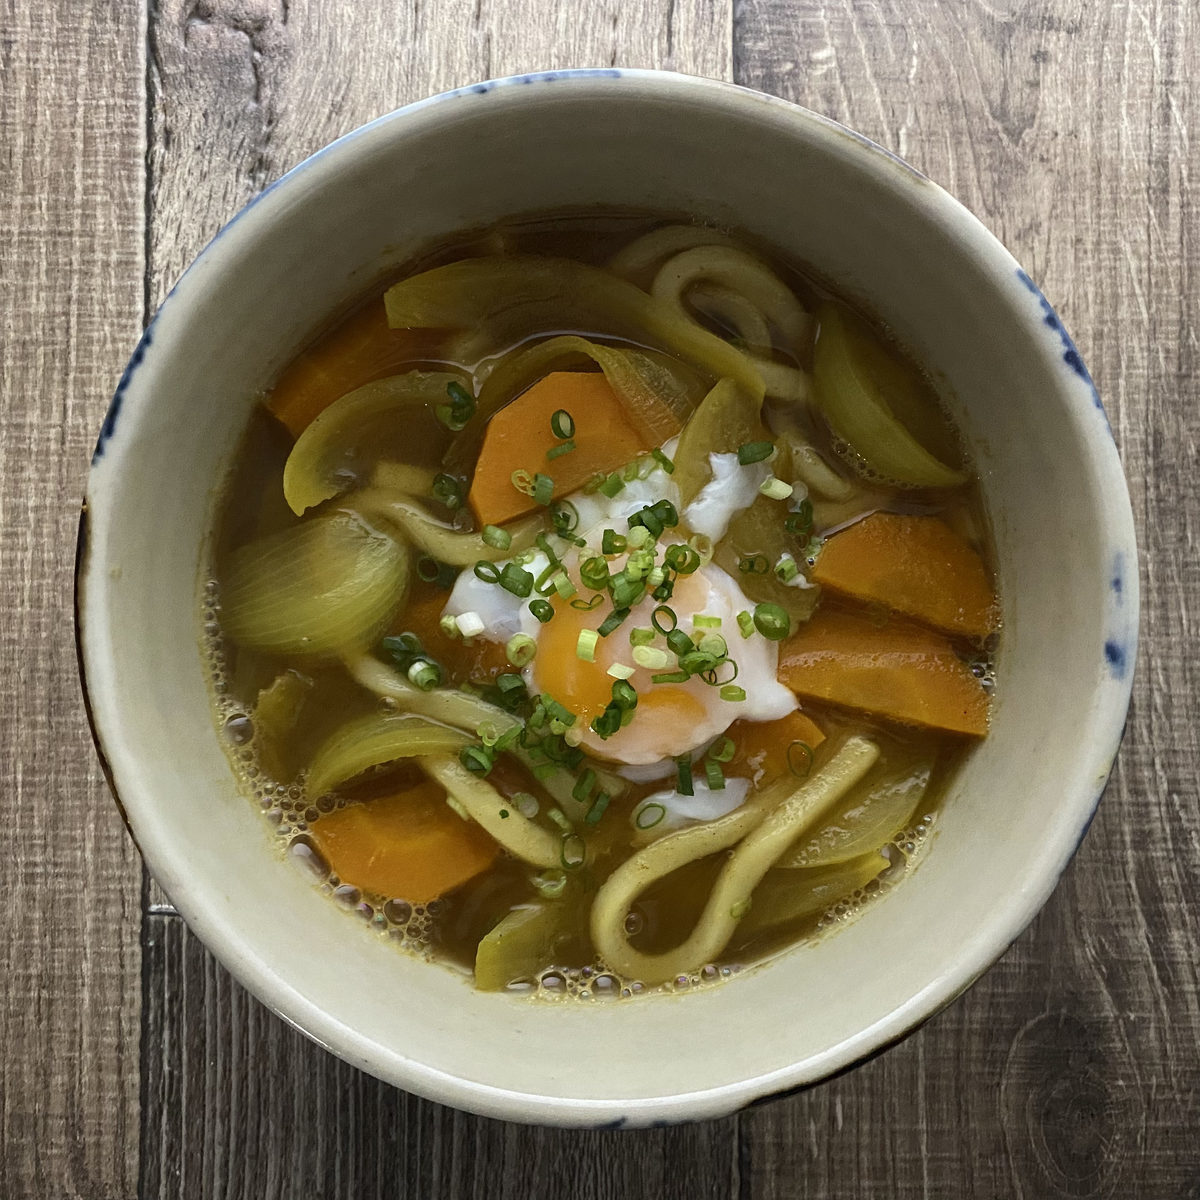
(820, 194)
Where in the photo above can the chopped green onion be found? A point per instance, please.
(612, 485)
(684, 785)
(598, 806)
(650, 815)
(476, 759)
(515, 579)
(754, 564)
(449, 626)
(624, 694)
(626, 592)
(640, 636)
(745, 623)
(448, 490)
(800, 758)
(775, 489)
(522, 480)
(663, 461)
(639, 537)
(666, 512)
(560, 819)
(714, 776)
(549, 884)
(583, 785)
(620, 670)
(733, 693)
(655, 577)
(585, 645)
(565, 516)
(487, 571)
(542, 609)
(425, 674)
(573, 736)
(573, 852)
(650, 657)
(563, 585)
(648, 519)
(704, 621)
(507, 682)
(786, 569)
(594, 573)
(459, 411)
(611, 622)
(520, 649)
(543, 490)
(556, 711)
(562, 424)
(682, 558)
(771, 621)
(488, 733)
(470, 624)
(493, 535)
(587, 605)
(714, 644)
(559, 450)
(612, 542)
(427, 568)
(752, 452)
(629, 472)
(679, 643)
(666, 613)
(800, 522)
(723, 750)
(671, 677)
(664, 590)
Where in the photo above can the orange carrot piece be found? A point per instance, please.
(899, 672)
(518, 436)
(761, 747)
(478, 659)
(407, 846)
(359, 350)
(917, 566)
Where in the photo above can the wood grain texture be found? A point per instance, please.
(71, 183)
(1072, 1068)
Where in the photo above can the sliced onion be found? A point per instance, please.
(726, 418)
(372, 741)
(326, 456)
(785, 896)
(324, 587)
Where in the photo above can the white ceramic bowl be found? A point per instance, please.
(1051, 481)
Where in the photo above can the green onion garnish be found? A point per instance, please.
(662, 614)
(427, 568)
(640, 636)
(800, 758)
(583, 785)
(714, 644)
(556, 711)
(704, 621)
(585, 645)
(611, 622)
(520, 649)
(573, 851)
(543, 490)
(671, 677)
(508, 682)
(664, 590)
(425, 674)
(612, 542)
(549, 884)
(771, 621)
(522, 480)
(663, 461)
(715, 777)
(476, 759)
(626, 592)
(560, 819)
(449, 625)
(650, 815)
(620, 671)
(753, 564)
(493, 535)
(515, 579)
(682, 558)
(593, 572)
(448, 490)
(723, 750)
(775, 489)
(562, 424)
(542, 609)
(679, 643)
(732, 692)
(587, 605)
(459, 411)
(487, 571)
(526, 804)
(684, 785)
(565, 517)
(786, 569)
(624, 695)
(559, 450)
(470, 624)
(639, 537)
(752, 452)
(745, 623)
(650, 657)
(800, 522)
(598, 806)
(612, 485)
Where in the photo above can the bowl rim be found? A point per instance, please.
(1106, 723)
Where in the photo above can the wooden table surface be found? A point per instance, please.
(132, 1064)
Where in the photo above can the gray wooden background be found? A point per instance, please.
(132, 1065)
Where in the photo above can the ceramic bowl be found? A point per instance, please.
(1052, 486)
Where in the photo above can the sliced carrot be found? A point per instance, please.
(407, 846)
(360, 349)
(519, 435)
(761, 747)
(899, 672)
(917, 566)
(478, 659)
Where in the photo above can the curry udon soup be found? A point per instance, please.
(601, 606)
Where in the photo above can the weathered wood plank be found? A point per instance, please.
(235, 1103)
(1072, 1068)
(71, 144)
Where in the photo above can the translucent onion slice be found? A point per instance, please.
(327, 455)
(857, 383)
(767, 832)
(275, 715)
(324, 587)
(520, 836)
(527, 939)
(508, 300)
(372, 741)
(785, 896)
(725, 419)
(872, 815)
(447, 545)
(643, 254)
